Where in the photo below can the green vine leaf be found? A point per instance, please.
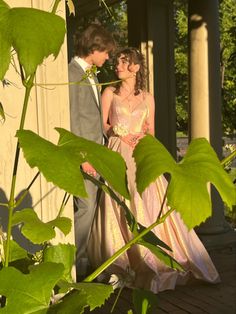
(161, 255)
(29, 293)
(37, 231)
(33, 33)
(16, 252)
(60, 163)
(5, 41)
(187, 191)
(84, 295)
(61, 254)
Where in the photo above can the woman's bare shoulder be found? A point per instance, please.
(109, 90)
(148, 96)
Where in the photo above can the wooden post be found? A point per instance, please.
(151, 28)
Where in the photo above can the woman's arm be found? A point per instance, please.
(149, 126)
(107, 97)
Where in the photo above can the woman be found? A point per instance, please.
(128, 113)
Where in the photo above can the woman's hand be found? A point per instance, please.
(132, 139)
(146, 127)
(87, 168)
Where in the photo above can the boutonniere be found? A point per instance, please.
(90, 72)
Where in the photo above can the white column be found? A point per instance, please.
(205, 95)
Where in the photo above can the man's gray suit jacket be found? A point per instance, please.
(85, 112)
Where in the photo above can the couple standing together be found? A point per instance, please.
(123, 114)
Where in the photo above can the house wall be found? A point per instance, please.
(48, 108)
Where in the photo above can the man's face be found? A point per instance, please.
(99, 57)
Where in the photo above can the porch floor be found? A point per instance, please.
(195, 298)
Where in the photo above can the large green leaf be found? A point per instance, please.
(73, 303)
(37, 231)
(84, 295)
(187, 192)
(56, 163)
(33, 33)
(61, 253)
(29, 293)
(152, 160)
(16, 252)
(109, 164)
(60, 163)
(5, 40)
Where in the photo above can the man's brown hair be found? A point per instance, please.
(95, 37)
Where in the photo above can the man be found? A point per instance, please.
(91, 49)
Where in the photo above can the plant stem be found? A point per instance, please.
(56, 3)
(81, 82)
(106, 264)
(26, 191)
(28, 85)
(228, 159)
(64, 202)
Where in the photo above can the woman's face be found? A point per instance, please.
(123, 68)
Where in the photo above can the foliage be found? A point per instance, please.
(227, 19)
(229, 166)
(200, 165)
(181, 65)
(228, 63)
(44, 284)
(18, 31)
(115, 20)
(66, 157)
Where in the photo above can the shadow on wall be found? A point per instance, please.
(16, 233)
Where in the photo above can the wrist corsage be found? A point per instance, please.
(120, 129)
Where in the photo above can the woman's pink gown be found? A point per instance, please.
(138, 267)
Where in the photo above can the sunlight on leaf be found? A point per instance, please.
(5, 40)
(37, 231)
(152, 160)
(110, 165)
(33, 33)
(60, 163)
(91, 295)
(64, 254)
(22, 290)
(187, 191)
(16, 252)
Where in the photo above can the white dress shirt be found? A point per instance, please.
(85, 66)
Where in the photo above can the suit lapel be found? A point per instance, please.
(87, 82)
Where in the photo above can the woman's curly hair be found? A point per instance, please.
(133, 56)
